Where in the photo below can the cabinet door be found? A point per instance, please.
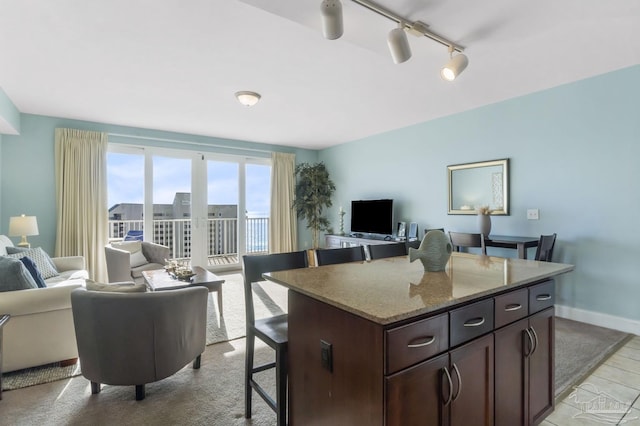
(472, 376)
(511, 373)
(541, 366)
(414, 395)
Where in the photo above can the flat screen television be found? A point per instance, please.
(372, 216)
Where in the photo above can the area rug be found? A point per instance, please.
(580, 349)
(269, 299)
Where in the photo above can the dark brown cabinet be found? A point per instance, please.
(486, 362)
(455, 388)
(524, 371)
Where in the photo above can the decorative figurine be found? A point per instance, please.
(434, 251)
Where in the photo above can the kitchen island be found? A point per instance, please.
(385, 343)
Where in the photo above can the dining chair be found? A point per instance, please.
(463, 239)
(340, 255)
(380, 251)
(544, 252)
(271, 330)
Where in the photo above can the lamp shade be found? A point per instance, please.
(399, 45)
(332, 27)
(454, 67)
(23, 225)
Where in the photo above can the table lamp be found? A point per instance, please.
(22, 226)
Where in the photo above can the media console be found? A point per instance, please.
(339, 241)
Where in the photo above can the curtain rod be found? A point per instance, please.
(150, 138)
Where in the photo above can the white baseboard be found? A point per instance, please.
(597, 318)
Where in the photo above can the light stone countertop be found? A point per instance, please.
(389, 290)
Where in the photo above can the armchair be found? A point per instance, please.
(126, 260)
(138, 338)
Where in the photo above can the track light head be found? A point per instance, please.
(332, 27)
(454, 67)
(399, 45)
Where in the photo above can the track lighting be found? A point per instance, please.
(455, 66)
(399, 45)
(332, 28)
(331, 19)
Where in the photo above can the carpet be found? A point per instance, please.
(269, 299)
(580, 349)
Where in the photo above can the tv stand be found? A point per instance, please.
(353, 240)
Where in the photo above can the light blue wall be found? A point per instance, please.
(27, 177)
(575, 155)
(9, 112)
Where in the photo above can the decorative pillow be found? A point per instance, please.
(137, 259)
(130, 246)
(14, 275)
(127, 287)
(33, 270)
(41, 259)
(14, 250)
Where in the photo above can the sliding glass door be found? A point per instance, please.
(210, 209)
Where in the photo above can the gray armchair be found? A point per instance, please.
(124, 263)
(138, 338)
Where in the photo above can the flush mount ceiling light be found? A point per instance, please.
(454, 67)
(247, 98)
(331, 19)
(398, 44)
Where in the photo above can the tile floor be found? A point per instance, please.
(610, 395)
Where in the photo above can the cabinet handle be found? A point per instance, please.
(535, 340)
(427, 340)
(531, 343)
(455, 368)
(474, 322)
(513, 307)
(543, 297)
(450, 396)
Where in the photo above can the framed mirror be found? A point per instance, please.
(481, 184)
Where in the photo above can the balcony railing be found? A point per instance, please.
(222, 236)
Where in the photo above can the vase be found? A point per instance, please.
(484, 224)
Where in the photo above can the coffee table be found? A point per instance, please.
(4, 318)
(159, 279)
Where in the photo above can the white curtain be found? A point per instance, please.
(283, 222)
(81, 197)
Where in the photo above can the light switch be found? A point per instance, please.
(533, 214)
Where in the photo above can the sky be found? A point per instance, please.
(125, 181)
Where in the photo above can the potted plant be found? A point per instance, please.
(313, 193)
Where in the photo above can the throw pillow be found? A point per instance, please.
(41, 259)
(14, 275)
(33, 270)
(14, 250)
(137, 259)
(128, 287)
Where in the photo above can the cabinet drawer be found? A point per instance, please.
(412, 343)
(542, 296)
(511, 307)
(470, 321)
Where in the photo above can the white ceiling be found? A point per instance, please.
(174, 65)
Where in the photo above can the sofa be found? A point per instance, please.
(41, 329)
